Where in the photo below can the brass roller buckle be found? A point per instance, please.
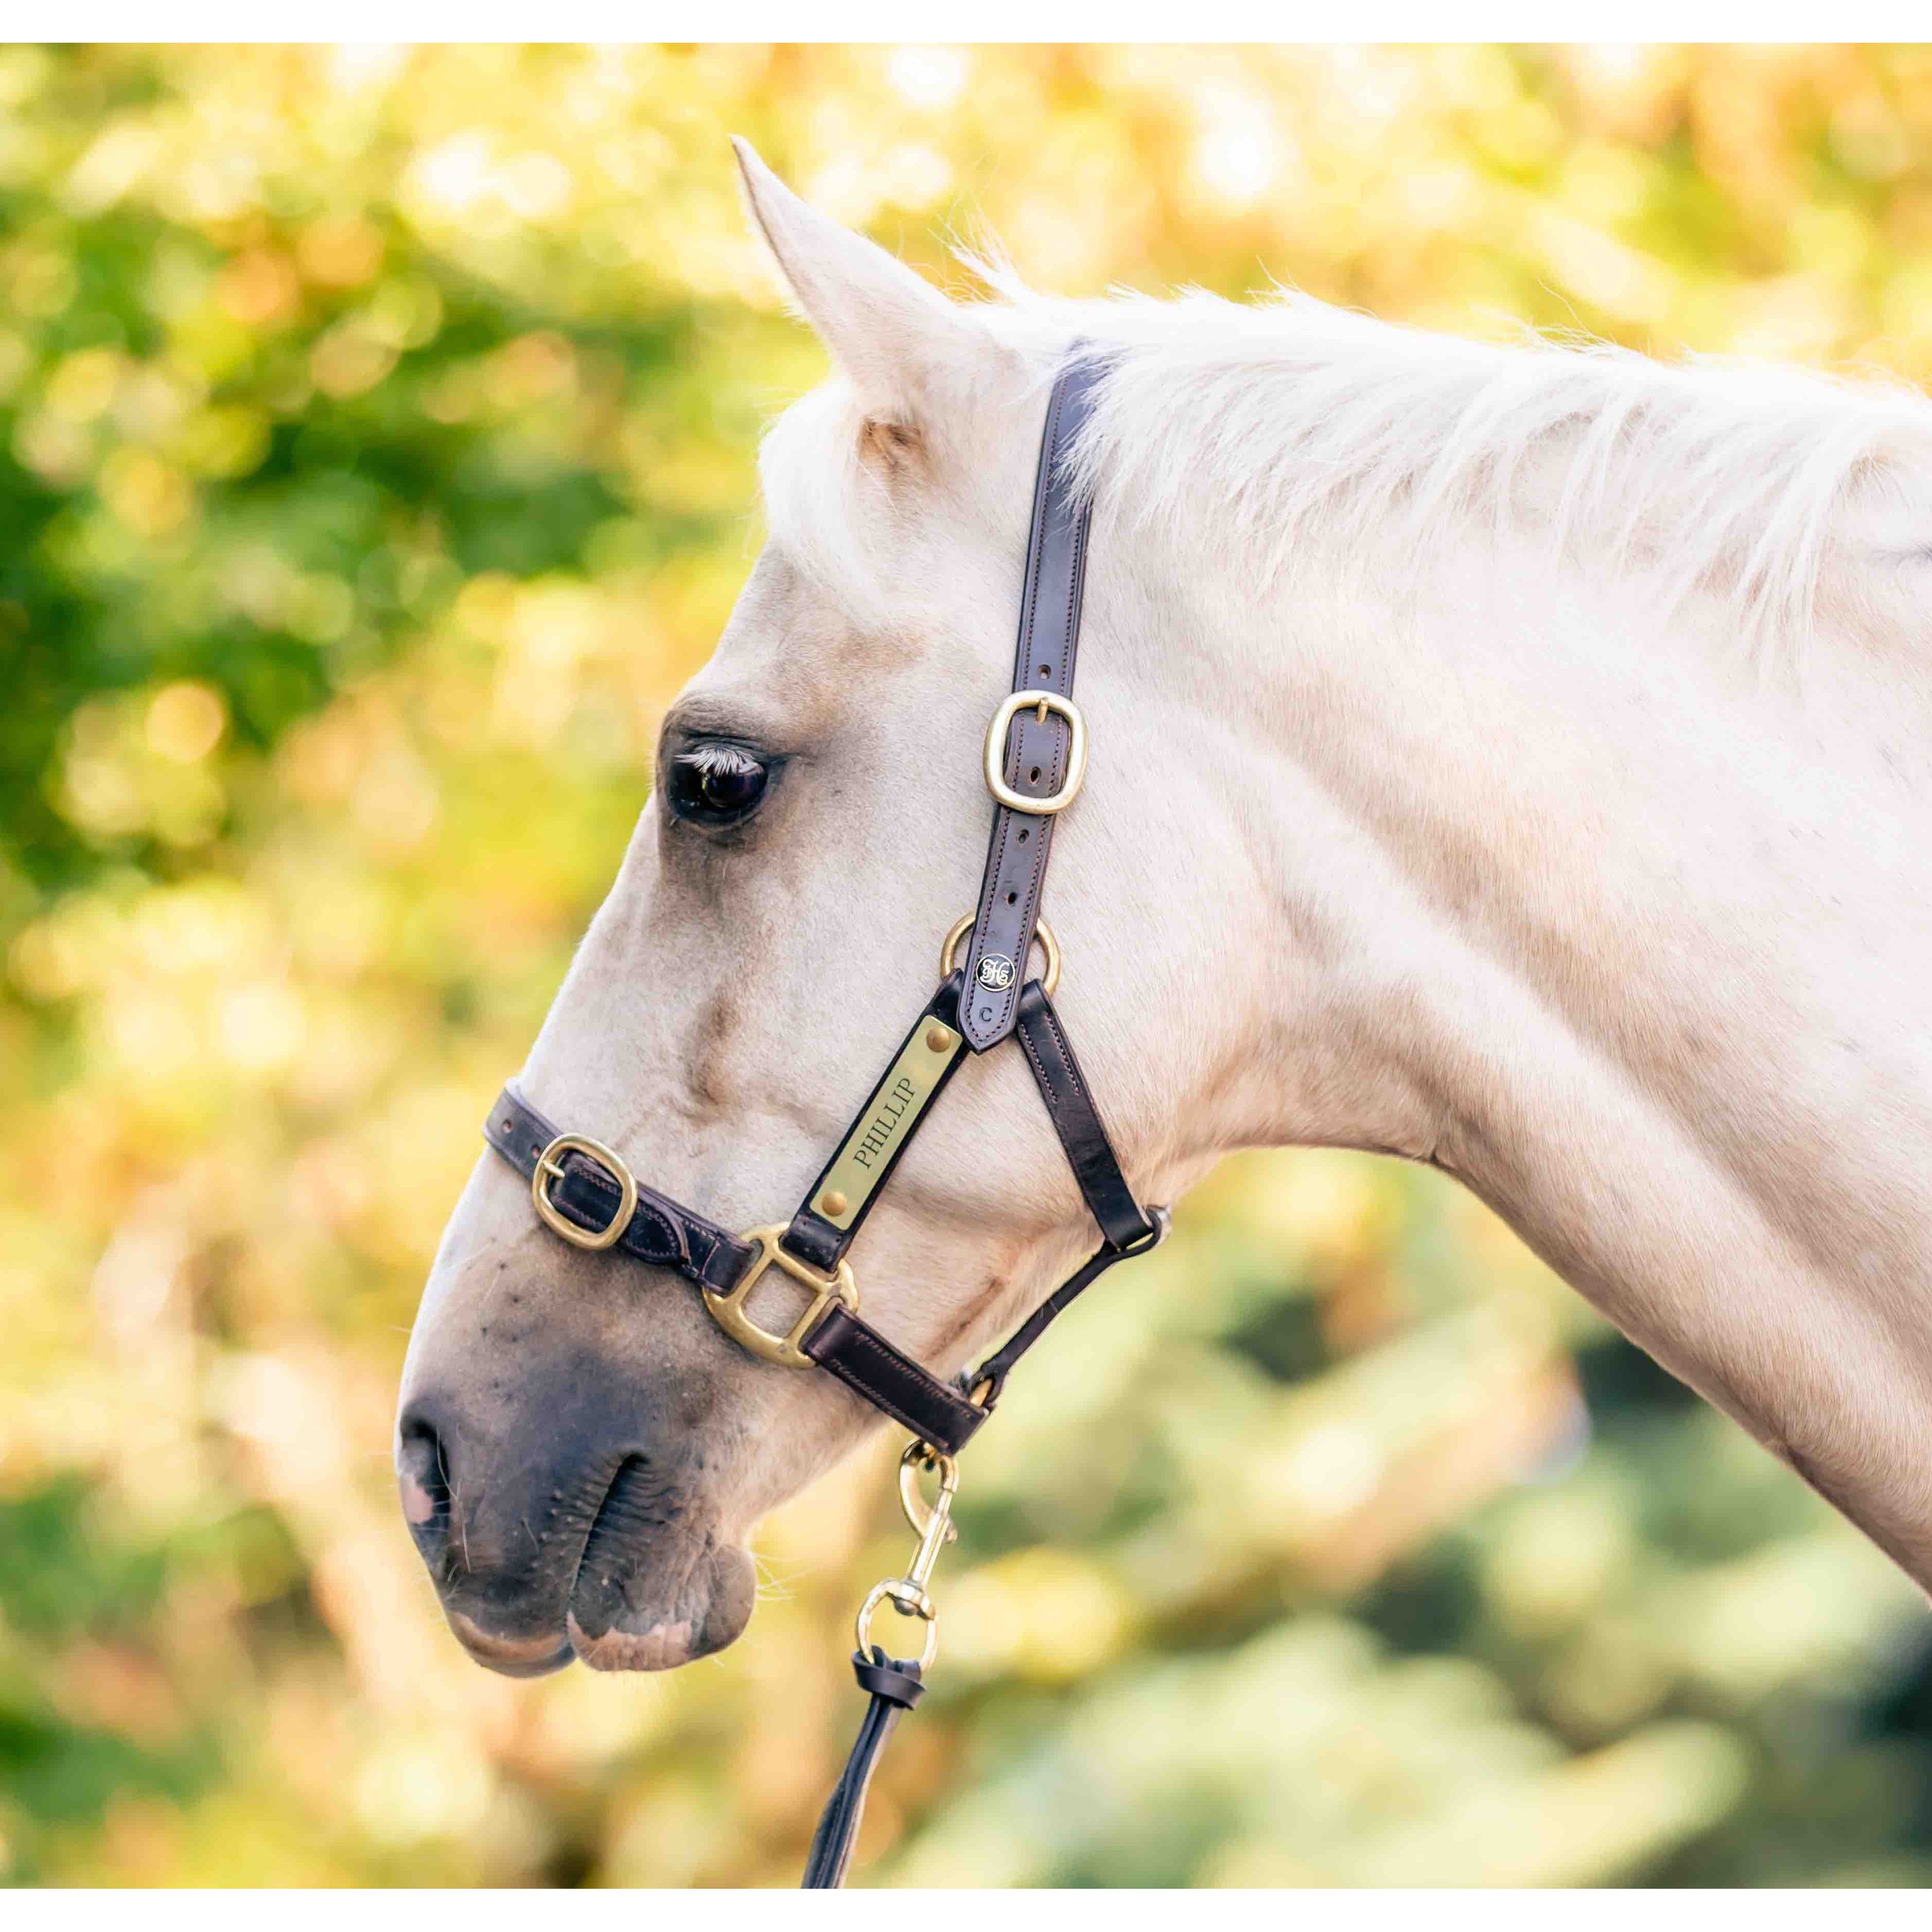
(729, 1312)
(550, 1167)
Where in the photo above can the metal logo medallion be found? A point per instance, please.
(996, 972)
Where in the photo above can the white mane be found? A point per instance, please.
(1290, 424)
(1303, 423)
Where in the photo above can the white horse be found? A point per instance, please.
(1511, 760)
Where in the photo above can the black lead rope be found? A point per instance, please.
(896, 1686)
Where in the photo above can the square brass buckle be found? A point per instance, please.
(1040, 703)
(550, 1167)
(728, 1310)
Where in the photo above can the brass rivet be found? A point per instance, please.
(937, 1040)
(832, 1202)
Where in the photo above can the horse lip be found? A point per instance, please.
(526, 1656)
(705, 1591)
(511, 1656)
(672, 1641)
(663, 1647)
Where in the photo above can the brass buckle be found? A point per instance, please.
(1041, 931)
(1042, 702)
(550, 1166)
(728, 1310)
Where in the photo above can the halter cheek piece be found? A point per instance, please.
(1035, 762)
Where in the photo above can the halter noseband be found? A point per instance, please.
(1036, 761)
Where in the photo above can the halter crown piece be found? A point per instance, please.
(1035, 763)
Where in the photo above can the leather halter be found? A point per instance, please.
(1037, 747)
(1035, 762)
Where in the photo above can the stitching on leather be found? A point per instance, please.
(672, 1228)
(1082, 1166)
(691, 1245)
(677, 1249)
(1076, 582)
(1036, 880)
(1037, 876)
(1003, 822)
(983, 925)
(1036, 561)
(1065, 1053)
(1095, 1176)
(895, 1366)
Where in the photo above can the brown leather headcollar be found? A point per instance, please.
(1035, 759)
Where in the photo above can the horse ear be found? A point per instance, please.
(894, 336)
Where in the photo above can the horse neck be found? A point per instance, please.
(1632, 938)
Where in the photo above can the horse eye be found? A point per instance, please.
(716, 784)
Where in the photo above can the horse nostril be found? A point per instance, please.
(422, 1478)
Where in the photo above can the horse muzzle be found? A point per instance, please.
(564, 1539)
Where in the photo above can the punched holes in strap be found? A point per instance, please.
(1038, 750)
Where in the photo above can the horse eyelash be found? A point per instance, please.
(715, 757)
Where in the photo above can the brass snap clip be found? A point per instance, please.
(932, 1524)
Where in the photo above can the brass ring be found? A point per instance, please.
(920, 1607)
(550, 1166)
(1041, 932)
(727, 1307)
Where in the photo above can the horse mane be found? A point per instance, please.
(1294, 423)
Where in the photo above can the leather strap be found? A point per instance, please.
(1036, 751)
(822, 1242)
(667, 1234)
(1069, 1106)
(944, 1416)
(894, 1688)
(892, 1381)
(993, 1372)
(661, 1230)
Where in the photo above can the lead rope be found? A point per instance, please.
(895, 1684)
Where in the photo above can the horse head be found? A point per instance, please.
(582, 1454)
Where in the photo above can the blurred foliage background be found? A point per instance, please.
(376, 429)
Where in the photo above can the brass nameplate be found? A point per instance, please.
(903, 1095)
